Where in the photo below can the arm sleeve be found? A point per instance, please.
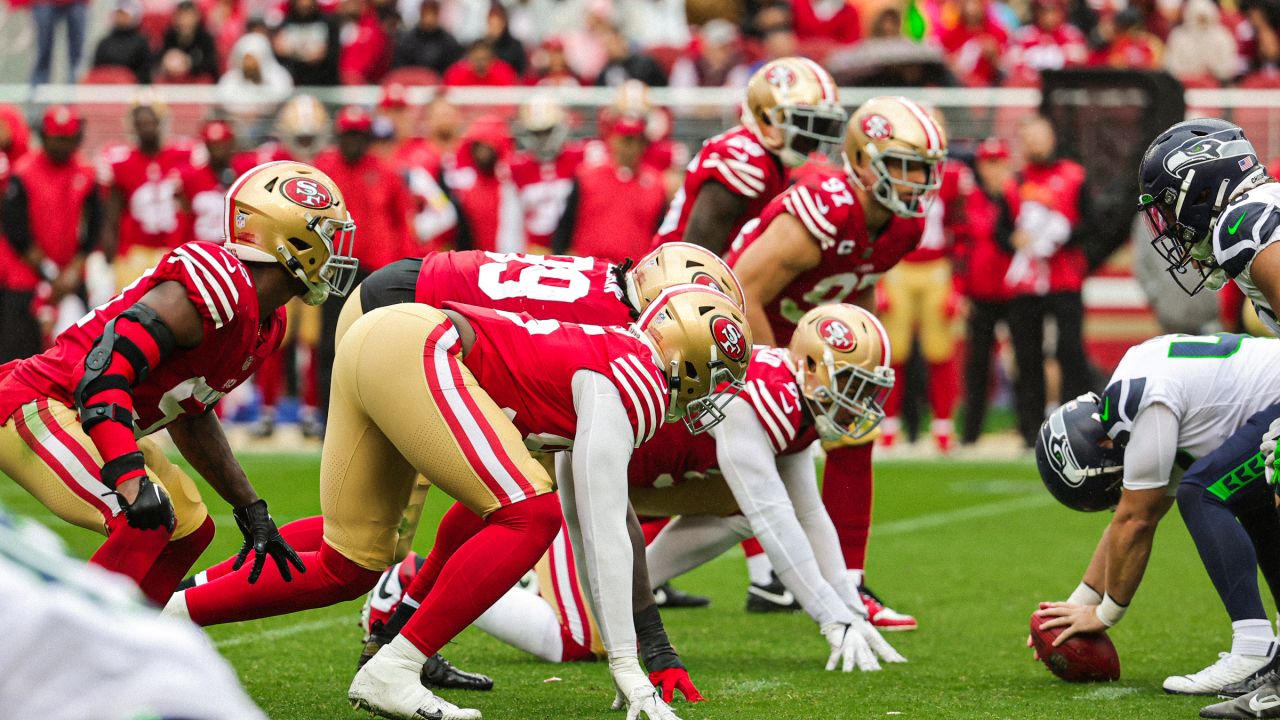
(594, 500)
(1152, 448)
(801, 481)
(15, 220)
(750, 469)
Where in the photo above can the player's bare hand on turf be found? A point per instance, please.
(1268, 449)
(262, 538)
(644, 703)
(146, 506)
(848, 648)
(670, 680)
(1075, 619)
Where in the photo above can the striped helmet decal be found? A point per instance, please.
(932, 133)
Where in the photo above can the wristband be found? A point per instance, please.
(1084, 594)
(1110, 611)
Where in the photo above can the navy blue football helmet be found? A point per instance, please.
(1079, 464)
(1188, 175)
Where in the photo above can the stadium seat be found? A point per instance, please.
(410, 76)
(109, 75)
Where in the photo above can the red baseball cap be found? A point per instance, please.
(394, 97)
(354, 118)
(61, 121)
(217, 131)
(993, 148)
(628, 125)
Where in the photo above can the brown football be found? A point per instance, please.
(1083, 658)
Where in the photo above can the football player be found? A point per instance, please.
(544, 169)
(1179, 420)
(206, 181)
(456, 395)
(828, 239)
(160, 355)
(791, 109)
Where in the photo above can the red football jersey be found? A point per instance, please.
(737, 160)
(544, 189)
(150, 185)
(527, 366)
(548, 287)
(851, 261)
(187, 381)
(676, 455)
(206, 190)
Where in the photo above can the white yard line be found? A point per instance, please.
(974, 512)
(282, 632)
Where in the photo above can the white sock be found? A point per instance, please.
(526, 622)
(855, 577)
(759, 569)
(942, 427)
(1252, 637)
(400, 650)
(177, 606)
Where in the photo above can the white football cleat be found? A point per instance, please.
(1230, 668)
(390, 688)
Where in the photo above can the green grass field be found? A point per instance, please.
(967, 547)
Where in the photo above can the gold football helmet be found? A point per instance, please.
(894, 138)
(543, 126)
(303, 125)
(842, 359)
(291, 213)
(679, 263)
(702, 342)
(793, 107)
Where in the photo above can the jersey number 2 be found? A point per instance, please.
(1224, 346)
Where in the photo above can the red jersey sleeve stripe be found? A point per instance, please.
(652, 388)
(224, 266)
(775, 435)
(624, 383)
(819, 217)
(784, 421)
(198, 279)
(747, 173)
(737, 183)
(216, 279)
(797, 208)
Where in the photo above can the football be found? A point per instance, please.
(1083, 658)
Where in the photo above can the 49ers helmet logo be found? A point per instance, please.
(307, 193)
(705, 279)
(729, 338)
(836, 334)
(781, 77)
(877, 127)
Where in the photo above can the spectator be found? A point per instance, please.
(778, 42)
(478, 178)
(481, 67)
(187, 53)
(1126, 43)
(835, 20)
(544, 169)
(1046, 208)
(125, 45)
(1201, 47)
(227, 20)
(550, 66)
(427, 44)
(975, 44)
(1262, 21)
(616, 205)
(505, 47)
(983, 263)
(48, 14)
(377, 199)
(654, 23)
(51, 213)
(366, 46)
(1048, 43)
(623, 63)
(444, 125)
(255, 83)
(307, 44)
(205, 183)
(718, 62)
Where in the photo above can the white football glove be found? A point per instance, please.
(857, 643)
(648, 705)
(1268, 449)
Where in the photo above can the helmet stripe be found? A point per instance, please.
(825, 82)
(884, 335)
(932, 133)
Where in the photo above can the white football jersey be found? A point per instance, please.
(1212, 383)
(1248, 224)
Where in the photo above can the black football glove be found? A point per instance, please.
(151, 509)
(263, 538)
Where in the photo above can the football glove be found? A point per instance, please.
(859, 644)
(150, 509)
(1268, 449)
(263, 538)
(644, 703)
(672, 679)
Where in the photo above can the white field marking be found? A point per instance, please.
(746, 687)
(997, 487)
(281, 632)
(976, 512)
(1105, 693)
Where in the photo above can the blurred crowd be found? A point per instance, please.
(266, 47)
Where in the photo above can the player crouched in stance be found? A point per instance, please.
(1176, 403)
(160, 355)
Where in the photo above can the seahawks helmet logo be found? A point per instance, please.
(1201, 150)
(1061, 458)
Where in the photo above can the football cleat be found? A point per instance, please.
(373, 642)
(667, 596)
(389, 688)
(1269, 673)
(884, 618)
(1230, 668)
(440, 673)
(774, 597)
(1263, 702)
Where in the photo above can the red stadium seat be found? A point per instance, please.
(109, 75)
(409, 76)
(818, 48)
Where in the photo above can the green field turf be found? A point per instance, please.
(967, 547)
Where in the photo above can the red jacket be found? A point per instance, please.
(982, 262)
(843, 27)
(967, 51)
(617, 211)
(378, 202)
(1058, 186)
(55, 197)
(462, 73)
